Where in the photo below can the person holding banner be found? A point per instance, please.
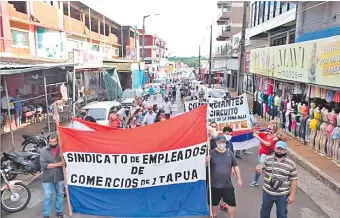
(267, 140)
(52, 177)
(222, 162)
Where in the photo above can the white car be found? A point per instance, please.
(216, 95)
(100, 110)
(129, 96)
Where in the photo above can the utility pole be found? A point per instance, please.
(242, 50)
(210, 56)
(199, 62)
(143, 38)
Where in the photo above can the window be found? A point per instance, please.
(291, 6)
(278, 10)
(260, 12)
(252, 14)
(284, 7)
(255, 14)
(95, 47)
(226, 28)
(226, 8)
(115, 51)
(266, 10)
(271, 9)
(20, 38)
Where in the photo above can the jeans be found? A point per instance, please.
(48, 192)
(18, 114)
(267, 205)
(257, 174)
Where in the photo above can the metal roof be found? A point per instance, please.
(8, 69)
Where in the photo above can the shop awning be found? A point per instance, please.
(120, 65)
(8, 69)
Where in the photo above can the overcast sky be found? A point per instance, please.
(183, 24)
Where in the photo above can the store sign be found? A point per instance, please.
(314, 62)
(87, 59)
(51, 43)
(246, 61)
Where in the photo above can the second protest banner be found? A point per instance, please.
(233, 112)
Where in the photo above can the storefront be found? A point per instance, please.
(30, 91)
(298, 85)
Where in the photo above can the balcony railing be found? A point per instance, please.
(13, 13)
(74, 25)
(113, 39)
(42, 9)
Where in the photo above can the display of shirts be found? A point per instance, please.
(277, 101)
(316, 92)
(323, 93)
(337, 97)
(260, 97)
(329, 96)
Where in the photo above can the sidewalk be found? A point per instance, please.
(319, 166)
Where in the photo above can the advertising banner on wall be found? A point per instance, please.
(51, 43)
(314, 62)
(87, 59)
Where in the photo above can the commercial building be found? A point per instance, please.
(130, 43)
(303, 75)
(53, 38)
(155, 53)
(225, 57)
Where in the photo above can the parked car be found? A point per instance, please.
(100, 110)
(129, 96)
(218, 95)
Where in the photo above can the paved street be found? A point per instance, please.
(313, 198)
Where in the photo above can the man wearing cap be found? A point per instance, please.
(280, 181)
(222, 161)
(150, 117)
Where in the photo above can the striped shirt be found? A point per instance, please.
(284, 171)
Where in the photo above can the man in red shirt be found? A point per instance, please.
(268, 140)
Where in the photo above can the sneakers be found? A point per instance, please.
(61, 215)
(254, 184)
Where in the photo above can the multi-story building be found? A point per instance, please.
(155, 52)
(317, 20)
(27, 31)
(130, 43)
(300, 64)
(273, 21)
(225, 57)
(229, 19)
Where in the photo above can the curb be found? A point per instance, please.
(315, 171)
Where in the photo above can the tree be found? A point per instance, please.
(190, 61)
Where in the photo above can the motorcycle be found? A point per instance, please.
(20, 162)
(11, 194)
(32, 143)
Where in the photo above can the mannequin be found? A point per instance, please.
(323, 127)
(260, 100)
(293, 126)
(270, 107)
(329, 129)
(298, 121)
(308, 118)
(336, 138)
(313, 127)
(304, 117)
(288, 110)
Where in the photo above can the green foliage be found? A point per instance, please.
(190, 61)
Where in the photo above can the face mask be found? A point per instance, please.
(53, 146)
(228, 137)
(279, 155)
(221, 146)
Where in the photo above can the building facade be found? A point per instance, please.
(302, 74)
(130, 43)
(155, 53)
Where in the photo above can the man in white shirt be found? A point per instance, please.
(167, 107)
(4, 110)
(150, 117)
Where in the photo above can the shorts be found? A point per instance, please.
(227, 194)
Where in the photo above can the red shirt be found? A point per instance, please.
(115, 123)
(54, 151)
(272, 140)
